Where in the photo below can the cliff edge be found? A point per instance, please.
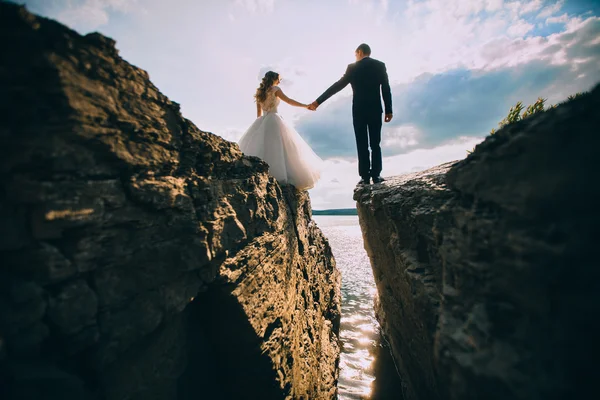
(486, 268)
(143, 258)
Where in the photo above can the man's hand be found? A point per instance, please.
(388, 117)
(313, 106)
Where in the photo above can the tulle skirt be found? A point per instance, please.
(290, 158)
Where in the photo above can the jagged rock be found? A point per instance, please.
(486, 269)
(396, 219)
(134, 239)
(41, 380)
(74, 307)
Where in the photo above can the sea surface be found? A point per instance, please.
(367, 370)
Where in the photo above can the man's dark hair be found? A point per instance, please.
(365, 49)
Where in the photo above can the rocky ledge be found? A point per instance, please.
(486, 268)
(143, 258)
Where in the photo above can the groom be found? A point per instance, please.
(366, 76)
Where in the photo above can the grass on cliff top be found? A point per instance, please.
(519, 112)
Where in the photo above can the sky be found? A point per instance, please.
(455, 66)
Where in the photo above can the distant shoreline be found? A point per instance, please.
(338, 211)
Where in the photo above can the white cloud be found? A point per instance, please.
(400, 137)
(339, 177)
(287, 69)
(446, 35)
(421, 159)
(519, 28)
(553, 49)
(385, 5)
(525, 7)
(562, 19)
(493, 5)
(256, 6)
(594, 42)
(91, 14)
(473, 34)
(550, 10)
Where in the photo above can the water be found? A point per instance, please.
(367, 370)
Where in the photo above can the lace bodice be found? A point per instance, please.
(271, 102)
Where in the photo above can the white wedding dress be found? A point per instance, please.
(290, 158)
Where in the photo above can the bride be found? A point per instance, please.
(290, 158)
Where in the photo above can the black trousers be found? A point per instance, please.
(367, 130)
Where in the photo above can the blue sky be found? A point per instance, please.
(456, 66)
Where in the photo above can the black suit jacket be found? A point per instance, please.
(366, 76)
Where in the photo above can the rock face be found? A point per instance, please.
(486, 268)
(141, 257)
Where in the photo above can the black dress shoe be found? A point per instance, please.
(378, 179)
(364, 181)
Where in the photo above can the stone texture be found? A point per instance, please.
(396, 219)
(486, 269)
(117, 213)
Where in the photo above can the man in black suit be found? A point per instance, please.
(366, 76)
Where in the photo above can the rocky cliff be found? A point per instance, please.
(143, 258)
(486, 268)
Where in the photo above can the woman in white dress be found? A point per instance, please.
(290, 158)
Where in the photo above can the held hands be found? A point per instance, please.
(313, 106)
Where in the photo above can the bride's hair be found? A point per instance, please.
(266, 84)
